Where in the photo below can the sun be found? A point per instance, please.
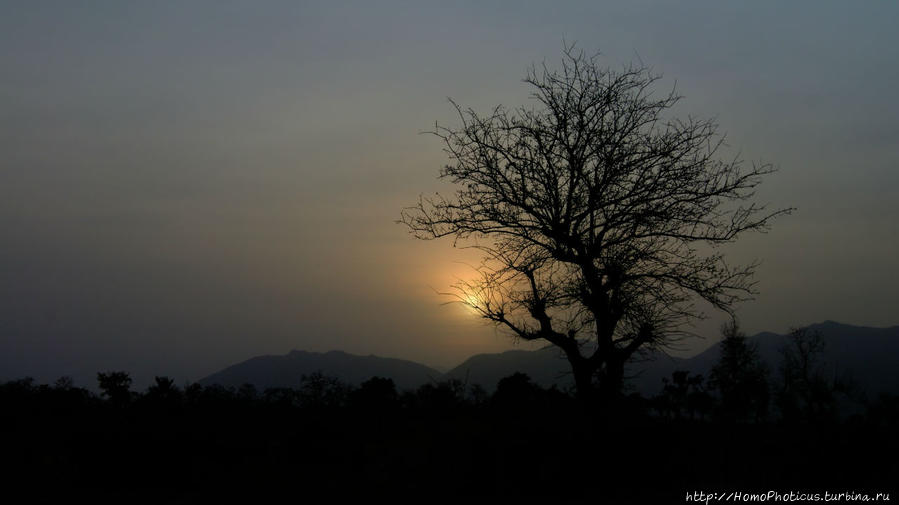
(472, 301)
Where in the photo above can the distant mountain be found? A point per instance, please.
(549, 367)
(287, 370)
(870, 356)
(546, 366)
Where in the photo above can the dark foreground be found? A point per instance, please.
(442, 444)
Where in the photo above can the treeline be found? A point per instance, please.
(317, 391)
(739, 389)
(742, 388)
(744, 427)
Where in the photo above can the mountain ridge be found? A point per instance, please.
(870, 355)
(286, 370)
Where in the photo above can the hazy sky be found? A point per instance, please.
(184, 185)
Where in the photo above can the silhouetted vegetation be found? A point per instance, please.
(445, 440)
(683, 396)
(808, 391)
(594, 209)
(740, 378)
(115, 386)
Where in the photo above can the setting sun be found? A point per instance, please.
(472, 303)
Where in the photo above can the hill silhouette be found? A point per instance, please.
(287, 370)
(546, 367)
(868, 355)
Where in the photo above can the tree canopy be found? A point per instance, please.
(599, 216)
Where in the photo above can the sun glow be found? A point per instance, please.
(472, 302)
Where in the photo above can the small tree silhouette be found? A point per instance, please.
(806, 392)
(115, 387)
(516, 391)
(164, 391)
(740, 378)
(683, 395)
(440, 396)
(375, 393)
(318, 390)
(247, 392)
(64, 383)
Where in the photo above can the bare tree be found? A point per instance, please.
(810, 389)
(592, 209)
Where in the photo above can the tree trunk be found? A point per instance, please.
(598, 388)
(612, 379)
(610, 387)
(583, 378)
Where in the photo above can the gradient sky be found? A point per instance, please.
(184, 185)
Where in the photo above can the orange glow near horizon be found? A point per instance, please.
(472, 302)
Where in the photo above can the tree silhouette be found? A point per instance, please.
(594, 210)
(247, 392)
(319, 390)
(376, 392)
(164, 391)
(64, 383)
(115, 386)
(740, 378)
(440, 396)
(806, 393)
(683, 394)
(516, 391)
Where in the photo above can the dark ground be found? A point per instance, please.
(441, 444)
